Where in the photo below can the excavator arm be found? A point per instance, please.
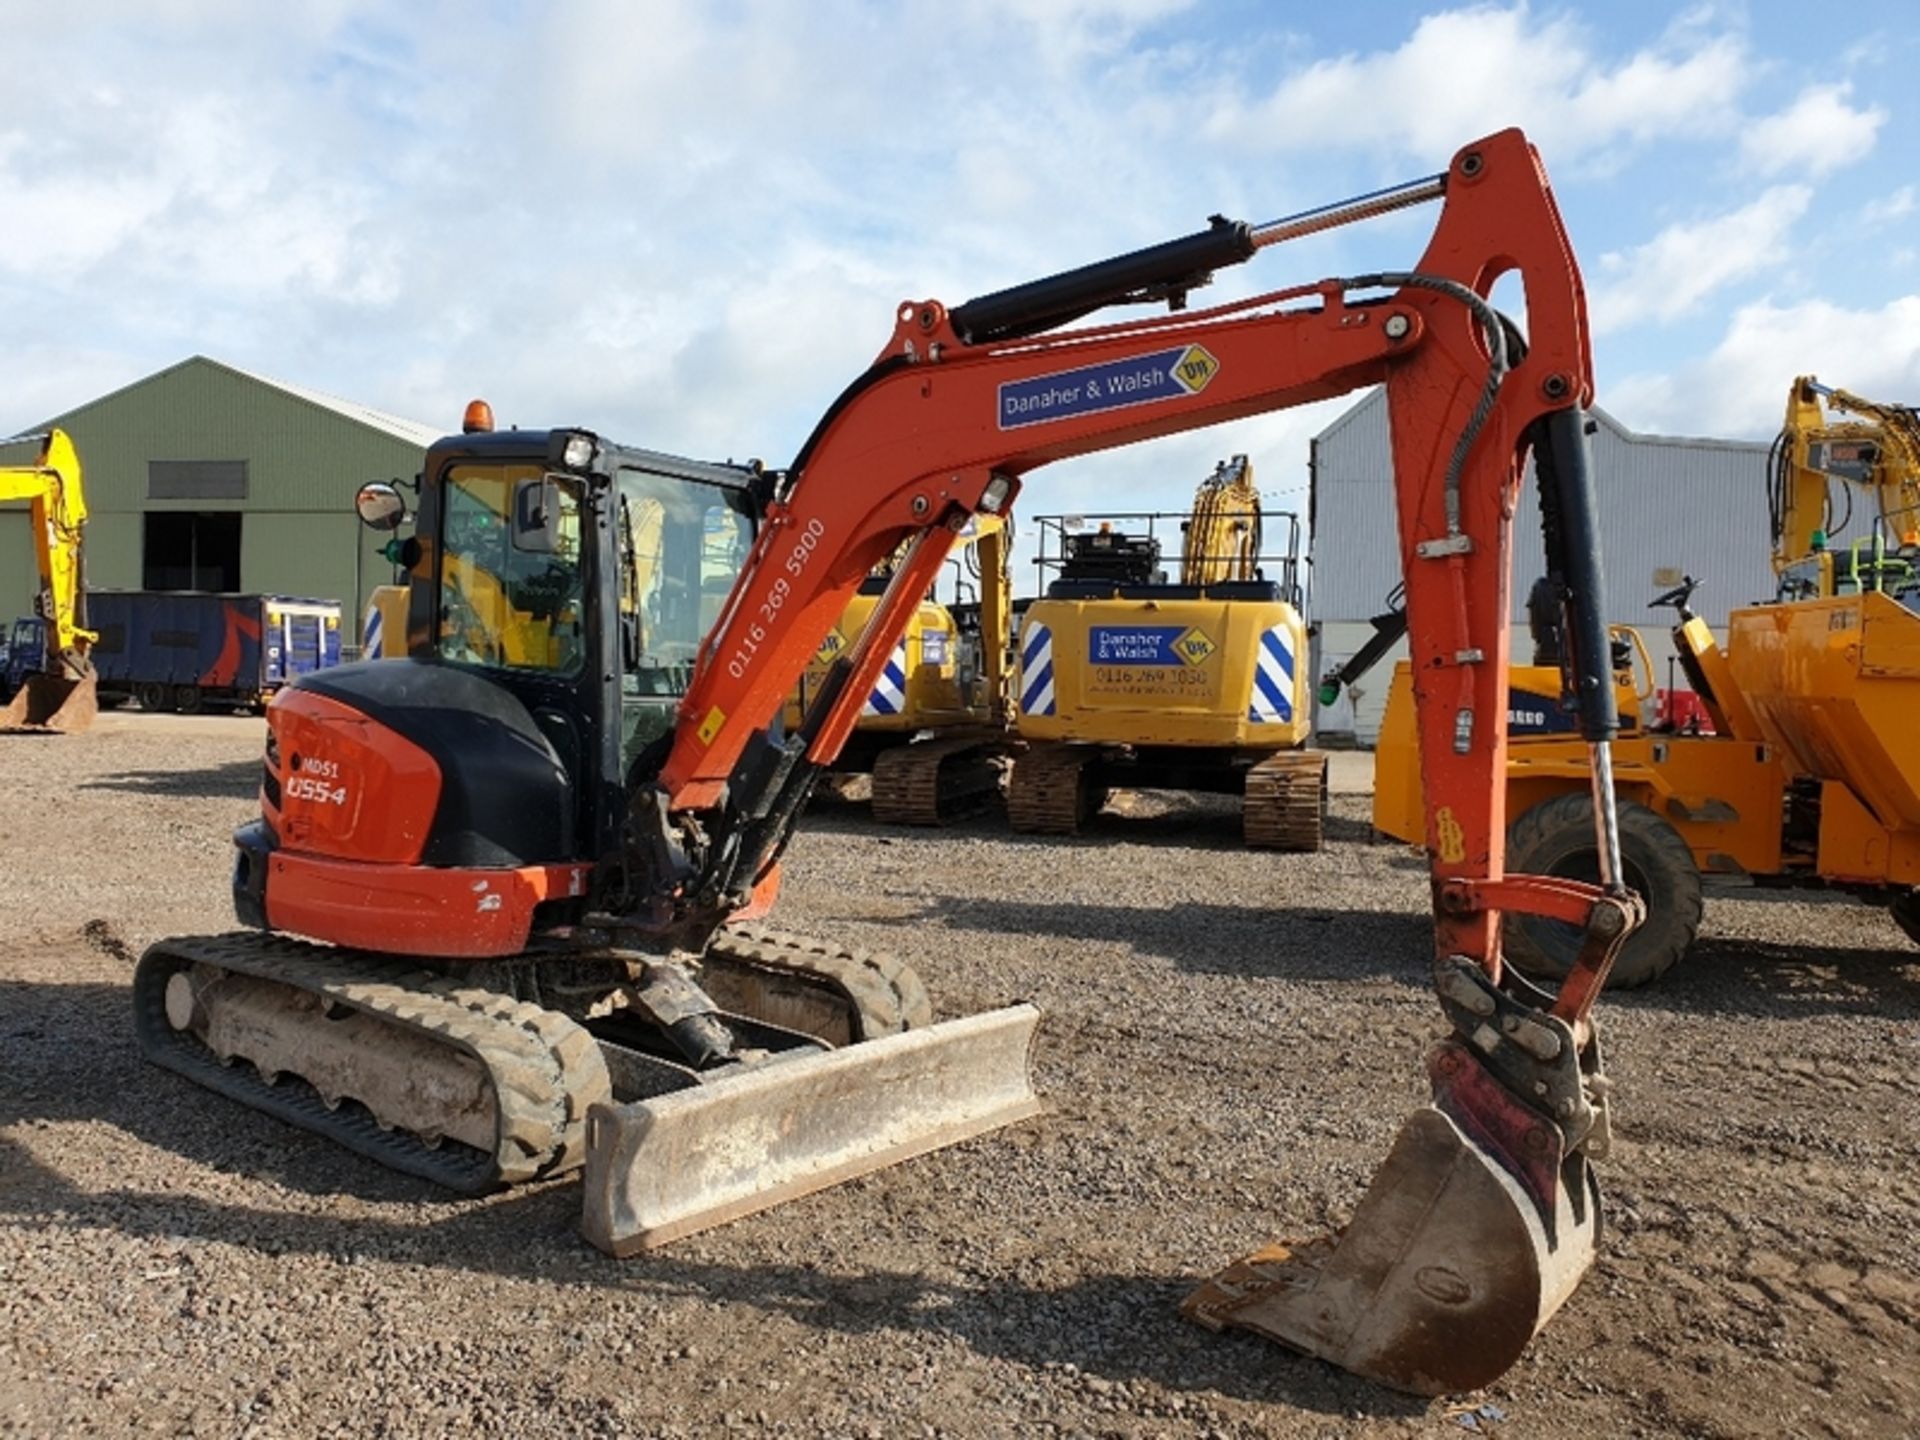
(940, 429)
(1223, 529)
(1484, 1216)
(61, 697)
(1878, 453)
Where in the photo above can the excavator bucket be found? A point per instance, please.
(662, 1168)
(53, 702)
(1448, 1269)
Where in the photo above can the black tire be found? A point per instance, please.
(187, 699)
(154, 696)
(113, 699)
(1556, 838)
(1093, 797)
(1906, 914)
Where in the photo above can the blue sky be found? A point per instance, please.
(687, 225)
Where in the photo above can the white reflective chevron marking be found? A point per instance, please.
(889, 695)
(1272, 702)
(1036, 670)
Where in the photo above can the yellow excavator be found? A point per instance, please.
(933, 734)
(1127, 680)
(58, 689)
(1806, 771)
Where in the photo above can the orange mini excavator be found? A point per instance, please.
(528, 845)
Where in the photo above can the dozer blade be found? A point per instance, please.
(1445, 1274)
(662, 1168)
(53, 702)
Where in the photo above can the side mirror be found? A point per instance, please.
(536, 516)
(631, 649)
(380, 505)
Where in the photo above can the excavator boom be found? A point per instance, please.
(1487, 1209)
(1876, 455)
(1223, 532)
(59, 693)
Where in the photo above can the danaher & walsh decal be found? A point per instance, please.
(1137, 380)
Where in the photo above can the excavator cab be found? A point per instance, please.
(489, 1007)
(557, 590)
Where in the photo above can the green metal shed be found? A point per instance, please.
(207, 477)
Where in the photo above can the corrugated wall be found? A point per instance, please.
(1695, 506)
(303, 464)
(1691, 506)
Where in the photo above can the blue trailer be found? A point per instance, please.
(22, 650)
(188, 651)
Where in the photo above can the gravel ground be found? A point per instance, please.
(1232, 1040)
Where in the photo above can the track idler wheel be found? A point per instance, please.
(1452, 1263)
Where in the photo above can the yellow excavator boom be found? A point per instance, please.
(61, 696)
(1223, 533)
(1878, 453)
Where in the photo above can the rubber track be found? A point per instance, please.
(545, 1070)
(885, 992)
(1285, 801)
(932, 782)
(1046, 793)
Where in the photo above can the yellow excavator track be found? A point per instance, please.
(934, 782)
(1054, 790)
(1285, 804)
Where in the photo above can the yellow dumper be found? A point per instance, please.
(1810, 775)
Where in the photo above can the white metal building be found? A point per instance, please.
(1668, 507)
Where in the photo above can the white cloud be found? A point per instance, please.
(1677, 269)
(1819, 132)
(1467, 72)
(1741, 387)
(686, 225)
(1896, 206)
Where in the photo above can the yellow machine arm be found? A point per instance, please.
(992, 543)
(1880, 452)
(1223, 534)
(61, 692)
(53, 487)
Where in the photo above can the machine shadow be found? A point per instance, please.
(68, 1056)
(1267, 942)
(1184, 824)
(1119, 1327)
(1769, 981)
(234, 780)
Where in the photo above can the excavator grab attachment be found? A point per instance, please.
(662, 1168)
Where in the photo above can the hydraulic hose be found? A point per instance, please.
(1495, 330)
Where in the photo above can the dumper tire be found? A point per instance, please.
(1905, 911)
(1555, 837)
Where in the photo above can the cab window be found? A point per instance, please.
(512, 591)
